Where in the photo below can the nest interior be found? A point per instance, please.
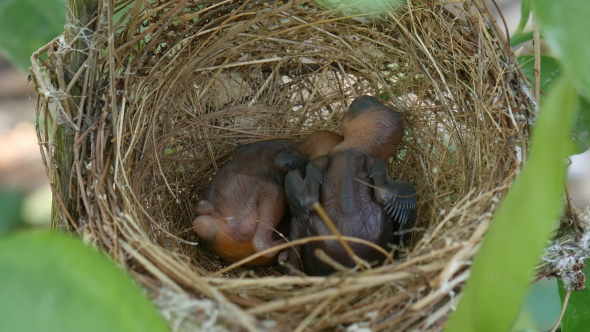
(166, 90)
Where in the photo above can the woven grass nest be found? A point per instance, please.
(180, 84)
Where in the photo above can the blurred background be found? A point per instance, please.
(25, 197)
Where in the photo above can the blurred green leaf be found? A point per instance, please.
(10, 207)
(565, 25)
(362, 6)
(543, 302)
(550, 72)
(577, 314)
(581, 127)
(525, 13)
(550, 69)
(522, 224)
(36, 209)
(26, 25)
(520, 37)
(525, 321)
(51, 282)
(540, 310)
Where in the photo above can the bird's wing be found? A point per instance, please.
(398, 198)
(290, 160)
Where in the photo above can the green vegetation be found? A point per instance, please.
(27, 25)
(503, 267)
(51, 282)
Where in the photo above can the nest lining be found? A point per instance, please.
(183, 83)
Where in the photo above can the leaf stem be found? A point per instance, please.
(563, 307)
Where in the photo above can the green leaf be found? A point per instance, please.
(577, 314)
(565, 25)
(525, 13)
(550, 69)
(520, 37)
(525, 321)
(53, 283)
(10, 207)
(550, 72)
(521, 226)
(543, 301)
(27, 25)
(366, 6)
(540, 310)
(581, 127)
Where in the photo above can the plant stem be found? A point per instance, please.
(79, 14)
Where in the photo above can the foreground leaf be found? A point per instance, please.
(362, 6)
(518, 233)
(565, 25)
(581, 127)
(10, 207)
(550, 72)
(519, 38)
(525, 14)
(50, 282)
(577, 314)
(26, 25)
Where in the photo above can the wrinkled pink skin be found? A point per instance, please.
(245, 203)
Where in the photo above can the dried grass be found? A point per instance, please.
(172, 87)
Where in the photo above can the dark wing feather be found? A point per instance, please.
(397, 197)
(297, 196)
(399, 201)
(290, 160)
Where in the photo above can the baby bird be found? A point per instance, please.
(370, 126)
(352, 185)
(245, 203)
(315, 145)
(319, 143)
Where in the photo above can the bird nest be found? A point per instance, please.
(140, 104)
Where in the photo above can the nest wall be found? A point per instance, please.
(166, 90)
